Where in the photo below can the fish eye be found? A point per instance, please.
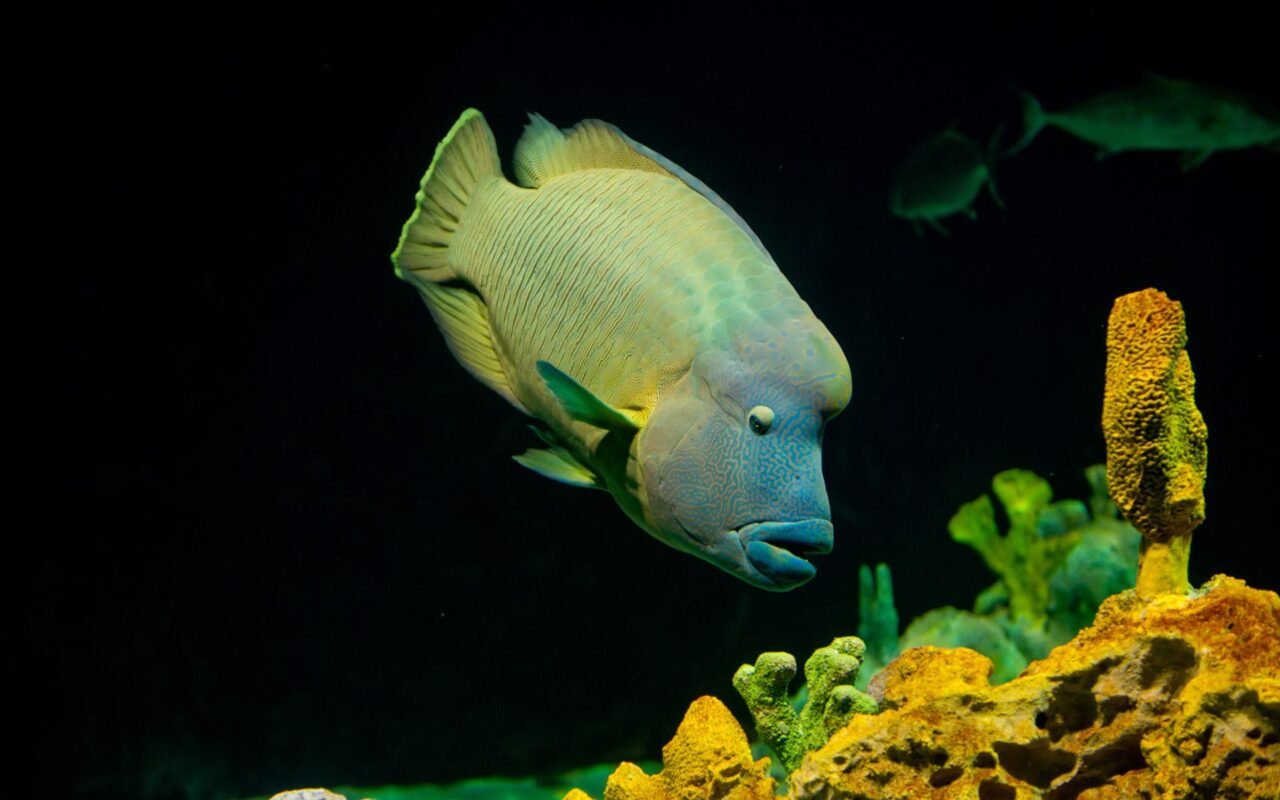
(760, 419)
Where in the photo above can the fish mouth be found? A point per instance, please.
(778, 551)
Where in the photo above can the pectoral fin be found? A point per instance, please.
(558, 464)
(580, 403)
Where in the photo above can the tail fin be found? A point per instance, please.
(465, 156)
(1033, 119)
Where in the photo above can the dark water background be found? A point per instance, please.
(269, 534)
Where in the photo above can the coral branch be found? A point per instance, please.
(877, 620)
(1041, 535)
(833, 700)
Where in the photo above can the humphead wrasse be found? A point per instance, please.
(620, 301)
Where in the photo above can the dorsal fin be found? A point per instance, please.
(545, 151)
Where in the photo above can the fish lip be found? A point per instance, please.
(777, 550)
(804, 537)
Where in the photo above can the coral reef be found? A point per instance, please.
(832, 699)
(1178, 698)
(708, 759)
(1156, 438)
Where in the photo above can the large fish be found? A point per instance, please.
(621, 302)
(1159, 113)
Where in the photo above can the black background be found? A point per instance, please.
(268, 534)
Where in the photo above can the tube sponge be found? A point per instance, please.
(1157, 447)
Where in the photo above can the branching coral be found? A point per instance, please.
(1040, 536)
(877, 620)
(1157, 448)
(832, 701)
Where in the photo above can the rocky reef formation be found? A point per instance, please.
(708, 759)
(1177, 698)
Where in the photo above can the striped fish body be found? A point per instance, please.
(618, 277)
(621, 302)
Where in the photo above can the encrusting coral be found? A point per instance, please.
(1156, 439)
(832, 699)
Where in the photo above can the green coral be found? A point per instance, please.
(877, 620)
(1101, 506)
(1105, 562)
(1056, 564)
(1041, 534)
(832, 699)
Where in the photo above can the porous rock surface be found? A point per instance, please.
(1172, 697)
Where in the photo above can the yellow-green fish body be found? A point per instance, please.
(617, 299)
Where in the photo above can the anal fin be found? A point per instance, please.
(464, 319)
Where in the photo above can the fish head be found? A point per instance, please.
(731, 457)
(1249, 121)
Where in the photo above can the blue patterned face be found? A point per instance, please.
(732, 459)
